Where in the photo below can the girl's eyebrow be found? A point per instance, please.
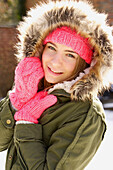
(70, 51)
(52, 44)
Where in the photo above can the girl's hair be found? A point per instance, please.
(80, 67)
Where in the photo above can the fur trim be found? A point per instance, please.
(80, 16)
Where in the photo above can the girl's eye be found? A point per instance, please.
(51, 48)
(70, 55)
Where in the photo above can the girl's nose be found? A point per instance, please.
(57, 60)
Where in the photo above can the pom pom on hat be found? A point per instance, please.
(66, 36)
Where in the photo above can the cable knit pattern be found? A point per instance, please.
(64, 35)
(33, 109)
(27, 76)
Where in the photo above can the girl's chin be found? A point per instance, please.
(52, 80)
(52, 77)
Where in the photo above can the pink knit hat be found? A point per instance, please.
(65, 35)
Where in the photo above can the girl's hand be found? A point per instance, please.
(27, 76)
(32, 110)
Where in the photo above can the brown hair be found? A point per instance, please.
(80, 66)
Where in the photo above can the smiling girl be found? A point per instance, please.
(59, 62)
(52, 119)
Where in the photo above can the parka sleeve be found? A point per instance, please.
(70, 147)
(6, 123)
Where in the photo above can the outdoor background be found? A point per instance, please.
(11, 12)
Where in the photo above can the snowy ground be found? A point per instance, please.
(103, 159)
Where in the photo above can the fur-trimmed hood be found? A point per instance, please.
(82, 17)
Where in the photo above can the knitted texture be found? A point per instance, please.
(33, 109)
(27, 76)
(66, 36)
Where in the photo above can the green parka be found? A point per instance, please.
(68, 133)
(67, 136)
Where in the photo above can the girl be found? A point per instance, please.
(53, 119)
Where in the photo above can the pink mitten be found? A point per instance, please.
(27, 76)
(33, 109)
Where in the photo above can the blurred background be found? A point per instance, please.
(11, 12)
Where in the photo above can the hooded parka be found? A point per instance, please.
(68, 133)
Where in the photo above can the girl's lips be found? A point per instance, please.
(54, 73)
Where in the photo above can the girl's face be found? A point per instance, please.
(58, 61)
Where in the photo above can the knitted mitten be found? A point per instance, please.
(27, 76)
(33, 109)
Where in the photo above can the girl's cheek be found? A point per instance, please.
(72, 66)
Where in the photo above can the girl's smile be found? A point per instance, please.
(55, 73)
(58, 61)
